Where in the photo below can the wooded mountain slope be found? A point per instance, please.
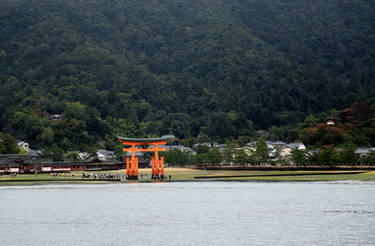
(212, 68)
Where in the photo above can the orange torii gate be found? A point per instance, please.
(145, 143)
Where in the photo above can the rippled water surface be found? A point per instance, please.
(212, 213)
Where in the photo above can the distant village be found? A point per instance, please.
(277, 153)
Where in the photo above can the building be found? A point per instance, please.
(34, 153)
(83, 156)
(364, 151)
(279, 144)
(263, 133)
(55, 116)
(299, 146)
(188, 150)
(105, 155)
(23, 146)
(330, 122)
(21, 164)
(208, 144)
(287, 150)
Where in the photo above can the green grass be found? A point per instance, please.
(310, 176)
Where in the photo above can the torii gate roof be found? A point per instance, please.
(148, 140)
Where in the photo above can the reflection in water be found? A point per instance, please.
(204, 213)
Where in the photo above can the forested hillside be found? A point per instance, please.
(208, 68)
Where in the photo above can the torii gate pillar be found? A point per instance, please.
(157, 164)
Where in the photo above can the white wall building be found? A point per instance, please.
(24, 146)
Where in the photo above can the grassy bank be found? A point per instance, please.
(193, 174)
(188, 174)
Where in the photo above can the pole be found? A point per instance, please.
(136, 167)
(127, 166)
(162, 166)
(157, 158)
(152, 167)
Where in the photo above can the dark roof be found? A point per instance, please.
(103, 163)
(34, 153)
(279, 143)
(147, 140)
(105, 152)
(9, 162)
(12, 155)
(62, 163)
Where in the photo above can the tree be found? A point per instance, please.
(176, 157)
(311, 121)
(214, 156)
(242, 140)
(368, 159)
(199, 159)
(3, 55)
(201, 149)
(74, 110)
(48, 135)
(225, 128)
(8, 144)
(153, 74)
(347, 154)
(261, 152)
(53, 152)
(299, 157)
(275, 133)
(229, 154)
(327, 156)
(72, 156)
(241, 157)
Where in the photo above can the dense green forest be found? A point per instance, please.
(205, 69)
(353, 126)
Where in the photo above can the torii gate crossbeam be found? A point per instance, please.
(157, 164)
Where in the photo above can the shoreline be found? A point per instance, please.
(282, 175)
(288, 168)
(197, 175)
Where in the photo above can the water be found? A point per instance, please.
(207, 213)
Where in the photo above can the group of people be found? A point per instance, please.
(105, 176)
(165, 177)
(61, 175)
(111, 176)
